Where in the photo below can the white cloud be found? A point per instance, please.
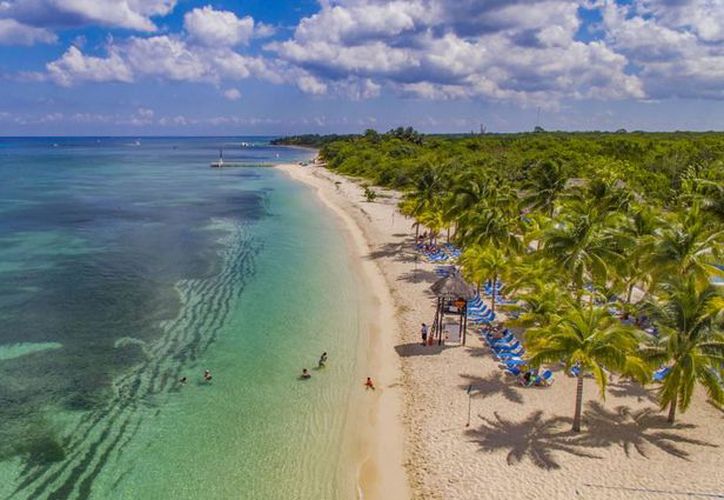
(673, 58)
(130, 14)
(14, 33)
(74, 66)
(218, 27)
(520, 51)
(705, 18)
(164, 57)
(311, 85)
(232, 94)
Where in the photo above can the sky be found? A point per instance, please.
(273, 67)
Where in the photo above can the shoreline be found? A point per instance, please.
(518, 443)
(380, 460)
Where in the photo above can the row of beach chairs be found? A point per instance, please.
(509, 352)
(443, 253)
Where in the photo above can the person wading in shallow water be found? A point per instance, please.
(305, 374)
(323, 360)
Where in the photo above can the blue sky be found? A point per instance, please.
(186, 67)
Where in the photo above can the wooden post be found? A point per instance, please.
(460, 330)
(433, 330)
(442, 315)
(465, 322)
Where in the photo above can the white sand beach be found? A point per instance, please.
(518, 444)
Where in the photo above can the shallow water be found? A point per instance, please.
(125, 266)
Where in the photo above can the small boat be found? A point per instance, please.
(220, 162)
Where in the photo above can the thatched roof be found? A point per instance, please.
(453, 287)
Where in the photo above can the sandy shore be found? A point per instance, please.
(518, 444)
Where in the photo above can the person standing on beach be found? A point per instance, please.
(423, 333)
(369, 384)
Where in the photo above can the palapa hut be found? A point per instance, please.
(451, 291)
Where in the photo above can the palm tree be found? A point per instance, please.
(584, 246)
(703, 188)
(690, 319)
(592, 340)
(540, 304)
(494, 220)
(642, 228)
(425, 195)
(408, 208)
(434, 219)
(544, 184)
(689, 245)
(483, 262)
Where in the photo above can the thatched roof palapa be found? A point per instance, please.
(453, 287)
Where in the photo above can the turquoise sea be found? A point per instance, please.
(127, 264)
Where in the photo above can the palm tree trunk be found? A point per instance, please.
(672, 411)
(630, 292)
(579, 403)
(417, 231)
(448, 234)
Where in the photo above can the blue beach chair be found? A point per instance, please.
(661, 373)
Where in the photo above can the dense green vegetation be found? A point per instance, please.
(577, 225)
(654, 165)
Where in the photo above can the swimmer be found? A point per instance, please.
(305, 374)
(323, 360)
(183, 380)
(207, 376)
(369, 384)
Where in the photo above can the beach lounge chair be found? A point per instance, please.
(512, 362)
(481, 319)
(661, 373)
(514, 371)
(502, 356)
(477, 309)
(506, 339)
(575, 370)
(505, 346)
(545, 378)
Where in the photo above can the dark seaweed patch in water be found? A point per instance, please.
(44, 450)
(88, 302)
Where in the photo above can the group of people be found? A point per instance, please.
(321, 364)
(369, 384)
(207, 378)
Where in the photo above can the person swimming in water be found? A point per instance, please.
(323, 360)
(207, 376)
(305, 374)
(183, 380)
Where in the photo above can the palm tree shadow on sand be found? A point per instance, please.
(642, 430)
(543, 441)
(538, 439)
(631, 388)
